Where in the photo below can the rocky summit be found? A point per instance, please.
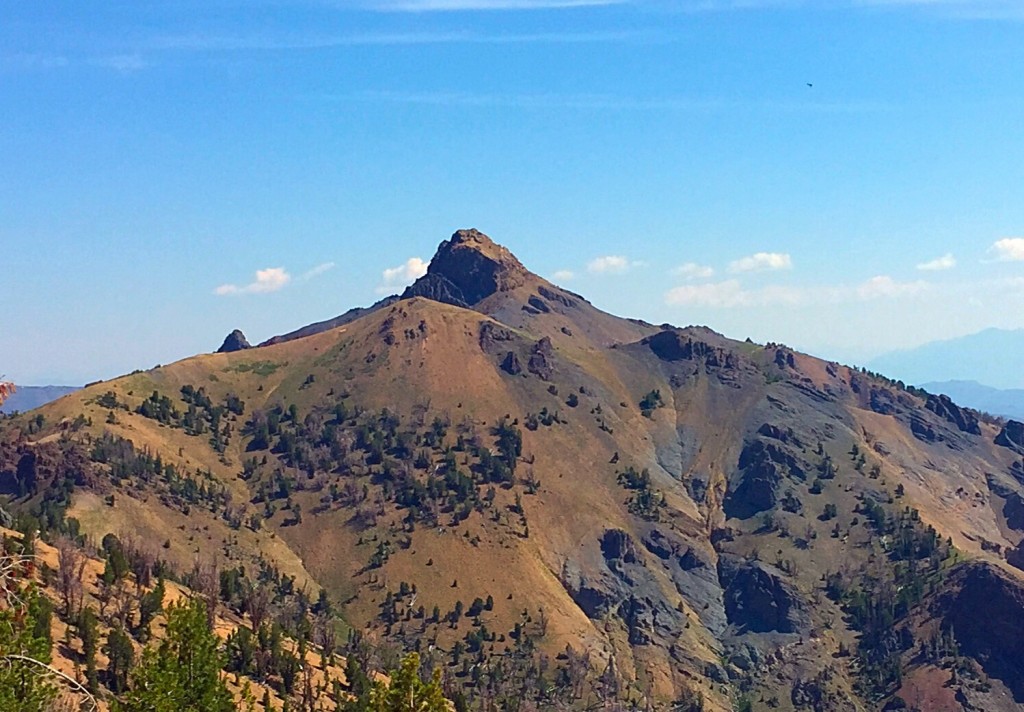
(235, 341)
(564, 508)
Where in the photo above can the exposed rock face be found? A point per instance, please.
(923, 430)
(964, 420)
(467, 269)
(758, 600)
(1012, 436)
(617, 545)
(776, 433)
(539, 304)
(784, 358)
(436, 287)
(493, 337)
(881, 401)
(510, 364)
(985, 609)
(672, 345)
(541, 359)
(235, 341)
(626, 588)
(762, 468)
(553, 296)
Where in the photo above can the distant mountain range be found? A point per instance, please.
(27, 398)
(990, 357)
(1008, 403)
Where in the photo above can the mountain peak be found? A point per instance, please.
(467, 268)
(235, 341)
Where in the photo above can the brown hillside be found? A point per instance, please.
(696, 513)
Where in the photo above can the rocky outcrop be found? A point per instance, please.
(539, 304)
(557, 297)
(438, 288)
(923, 430)
(624, 587)
(774, 432)
(510, 364)
(493, 338)
(964, 420)
(784, 358)
(673, 345)
(541, 363)
(762, 467)
(467, 269)
(985, 609)
(617, 545)
(1012, 436)
(882, 401)
(758, 599)
(235, 341)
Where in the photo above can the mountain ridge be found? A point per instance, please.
(673, 503)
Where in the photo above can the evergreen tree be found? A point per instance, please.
(407, 692)
(182, 673)
(21, 687)
(121, 654)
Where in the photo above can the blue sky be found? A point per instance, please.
(171, 171)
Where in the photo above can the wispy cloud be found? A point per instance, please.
(267, 280)
(454, 5)
(884, 286)
(1009, 249)
(612, 264)
(761, 262)
(124, 63)
(608, 102)
(34, 61)
(954, 9)
(947, 261)
(317, 271)
(563, 275)
(692, 270)
(731, 294)
(394, 277)
(228, 43)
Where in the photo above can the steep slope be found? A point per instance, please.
(693, 516)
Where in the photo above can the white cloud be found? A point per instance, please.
(563, 275)
(317, 271)
(394, 277)
(267, 280)
(612, 264)
(762, 262)
(882, 287)
(947, 261)
(731, 294)
(692, 270)
(1009, 249)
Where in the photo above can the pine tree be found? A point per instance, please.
(407, 692)
(182, 673)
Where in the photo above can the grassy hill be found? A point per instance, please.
(564, 507)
